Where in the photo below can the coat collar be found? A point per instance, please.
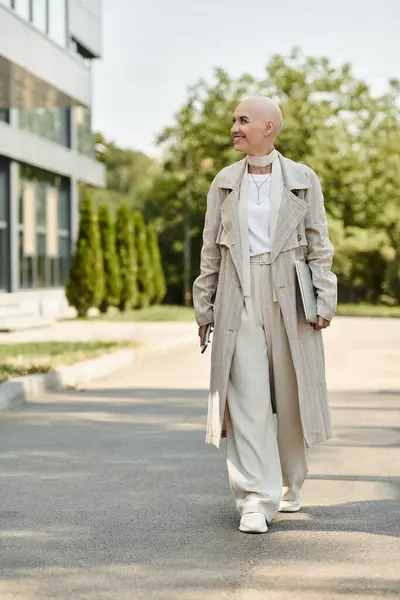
(295, 175)
(289, 212)
(231, 177)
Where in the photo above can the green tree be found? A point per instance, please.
(112, 280)
(393, 277)
(361, 261)
(333, 123)
(129, 175)
(144, 274)
(126, 258)
(85, 286)
(159, 283)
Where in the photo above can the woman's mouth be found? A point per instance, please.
(238, 139)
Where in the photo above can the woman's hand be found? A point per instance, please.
(202, 333)
(322, 324)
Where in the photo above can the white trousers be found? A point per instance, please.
(266, 455)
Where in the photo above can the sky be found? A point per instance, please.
(154, 50)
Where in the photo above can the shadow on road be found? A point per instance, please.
(106, 479)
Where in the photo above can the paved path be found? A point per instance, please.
(147, 334)
(111, 494)
(362, 353)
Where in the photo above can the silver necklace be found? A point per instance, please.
(259, 186)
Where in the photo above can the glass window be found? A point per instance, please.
(64, 209)
(45, 245)
(26, 266)
(61, 129)
(42, 279)
(3, 191)
(4, 257)
(83, 120)
(57, 19)
(22, 7)
(40, 202)
(54, 272)
(50, 123)
(64, 250)
(4, 231)
(63, 247)
(39, 14)
(4, 115)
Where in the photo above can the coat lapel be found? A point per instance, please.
(230, 180)
(292, 207)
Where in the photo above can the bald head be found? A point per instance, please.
(257, 122)
(264, 109)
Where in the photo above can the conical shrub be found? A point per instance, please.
(85, 286)
(159, 282)
(145, 276)
(124, 242)
(112, 280)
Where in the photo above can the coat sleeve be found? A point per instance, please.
(206, 283)
(320, 251)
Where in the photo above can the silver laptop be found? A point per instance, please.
(307, 291)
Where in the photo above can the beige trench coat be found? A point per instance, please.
(301, 233)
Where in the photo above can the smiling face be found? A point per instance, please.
(256, 124)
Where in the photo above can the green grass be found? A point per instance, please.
(368, 310)
(158, 314)
(18, 360)
(166, 313)
(173, 313)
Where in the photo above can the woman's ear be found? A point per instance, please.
(269, 128)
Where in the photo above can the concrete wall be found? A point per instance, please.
(31, 51)
(50, 304)
(31, 149)
(84, 23)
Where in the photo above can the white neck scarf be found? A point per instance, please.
(275, 201)
(262, 161)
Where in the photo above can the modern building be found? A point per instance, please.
(46, 144)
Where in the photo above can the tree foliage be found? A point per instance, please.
(126, 258)
(145, 279)
(333, 123)
(85, 286)
(130, 175)
(112, 280)
(159, 283)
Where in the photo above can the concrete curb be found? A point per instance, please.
(27, 389)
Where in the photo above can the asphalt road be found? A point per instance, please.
(110, 493)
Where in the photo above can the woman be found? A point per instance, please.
(268, 392)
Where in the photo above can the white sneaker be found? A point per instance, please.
(253, 523)
(289, 506)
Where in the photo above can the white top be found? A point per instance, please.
(258, 211)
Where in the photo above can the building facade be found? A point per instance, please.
(46, 144)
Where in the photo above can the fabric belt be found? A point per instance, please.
(264, 259)
(261, 259)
